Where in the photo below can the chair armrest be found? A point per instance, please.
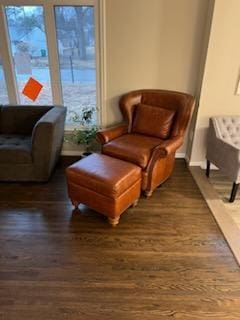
(167, 147)
(224, 153)
(106, 135)
(226, 157)
(47, 138)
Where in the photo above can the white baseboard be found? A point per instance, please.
(197, 164)
(78, 153)
(202, 164)
(180, 155)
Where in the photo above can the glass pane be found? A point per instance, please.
(76, 49)
(29, 49)
(3, 89)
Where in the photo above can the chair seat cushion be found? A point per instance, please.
(135, 148)
(15, 149)
(104, 175)
(153, 121)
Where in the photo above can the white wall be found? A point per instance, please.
(152, 44)
(221, 73)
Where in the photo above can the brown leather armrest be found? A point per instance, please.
(106, 135)
(168, 146)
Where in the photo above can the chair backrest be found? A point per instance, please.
(181, 103)
(20, 119)
(227, 128)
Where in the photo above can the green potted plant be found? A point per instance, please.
(86, 133)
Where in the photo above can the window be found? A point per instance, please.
(3, 89)
(29, 49)
(53, 42)
(76, 51)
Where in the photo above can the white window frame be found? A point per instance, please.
(4, 78)
(51, 37)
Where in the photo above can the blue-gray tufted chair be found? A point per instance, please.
(223, 148)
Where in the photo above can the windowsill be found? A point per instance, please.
(70, 127)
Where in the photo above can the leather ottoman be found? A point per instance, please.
(105, 184)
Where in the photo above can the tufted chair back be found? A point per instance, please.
(228, 129)
(180, 103)
(223, 148)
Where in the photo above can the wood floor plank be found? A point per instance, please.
(167, 259)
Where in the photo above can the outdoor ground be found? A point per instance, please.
(77, 96)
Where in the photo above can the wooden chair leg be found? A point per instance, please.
(148, 193)
(208, 168)
(113, 221)
(75, 204)
(234, 192)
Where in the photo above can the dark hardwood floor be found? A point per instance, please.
(166, 259)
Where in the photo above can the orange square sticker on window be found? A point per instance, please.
(32, 89)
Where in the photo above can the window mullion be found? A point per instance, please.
(53, 54)
(100, 29)
(8, 66)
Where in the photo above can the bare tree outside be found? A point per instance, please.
(3, 88)
(26, 30)
(76, 47)
(76, 51)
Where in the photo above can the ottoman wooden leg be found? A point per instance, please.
(113, 221)
(135, 203)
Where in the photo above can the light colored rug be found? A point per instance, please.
(223, 186)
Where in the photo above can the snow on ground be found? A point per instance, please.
(76, 96)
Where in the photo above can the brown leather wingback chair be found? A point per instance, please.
(155, 123)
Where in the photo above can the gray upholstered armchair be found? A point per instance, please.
(223, 148)
(30, 141)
